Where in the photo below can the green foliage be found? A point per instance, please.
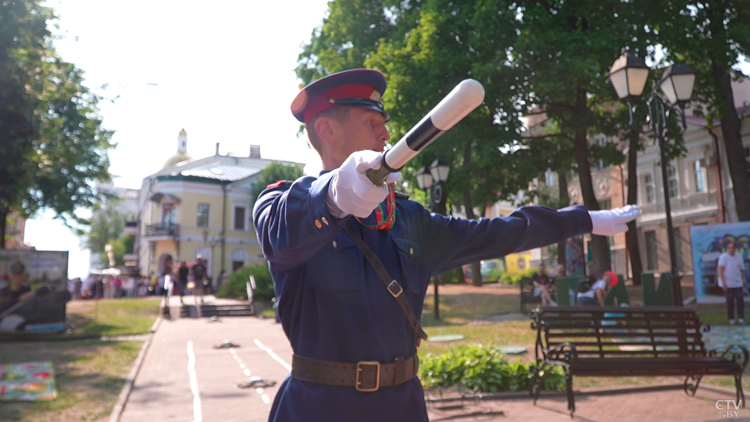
(454, 276)
(516, 278)
(52, 144)
(272, 174)
(235, 287)
(482, 368)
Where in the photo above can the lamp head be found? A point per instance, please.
(677, 83)
(424, 178)
(628, 75)
(440, 170)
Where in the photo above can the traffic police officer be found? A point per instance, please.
(354, 344)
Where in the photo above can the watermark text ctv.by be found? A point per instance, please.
(731, 408)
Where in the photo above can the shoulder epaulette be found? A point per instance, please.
(280, 184)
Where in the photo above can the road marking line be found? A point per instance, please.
(197, 413)
(273, 355)
(247, 372)
(265, 398)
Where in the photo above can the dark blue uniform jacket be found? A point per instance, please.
(333, 306)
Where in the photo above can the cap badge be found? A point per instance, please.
(375, 96)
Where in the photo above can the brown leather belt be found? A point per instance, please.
(364, 376)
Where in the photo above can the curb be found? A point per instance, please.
(128, 387)
(156, 324)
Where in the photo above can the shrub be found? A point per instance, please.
(454, 276)
(483, 369)
(516, 278)
(235, 286)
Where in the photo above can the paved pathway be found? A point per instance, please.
(184, 378)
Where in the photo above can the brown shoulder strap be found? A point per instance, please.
(392, 285)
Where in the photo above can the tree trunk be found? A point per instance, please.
(730, 130)
(564, 202)
(3, 223)
(476, 275)
(599, 244)
(631, 237)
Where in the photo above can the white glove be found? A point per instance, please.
(612, 222)
(351, 192)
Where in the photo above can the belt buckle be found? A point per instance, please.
(357, 381)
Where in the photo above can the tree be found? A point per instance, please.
(565, 48)
(52, 144)
(711, 36)
(273, 173)
(105, 227)
(426, 49)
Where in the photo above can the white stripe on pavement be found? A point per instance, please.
(273, 355)
(197, 413)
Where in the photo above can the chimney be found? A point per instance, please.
(254, 151)
(217, 148)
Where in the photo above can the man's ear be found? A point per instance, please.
(326, 130)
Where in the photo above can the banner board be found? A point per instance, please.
(708, 243)
(42, 267)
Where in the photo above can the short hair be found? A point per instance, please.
(339, 113)
(731, 242)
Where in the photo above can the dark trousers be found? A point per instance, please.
(735, 294)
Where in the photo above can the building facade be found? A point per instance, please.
(199, 207)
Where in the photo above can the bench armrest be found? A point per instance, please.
(565, 352)
(737, 353)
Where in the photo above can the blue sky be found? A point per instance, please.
(224, 72)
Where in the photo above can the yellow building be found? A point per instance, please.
(199, 207)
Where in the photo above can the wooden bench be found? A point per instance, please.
(614, 342)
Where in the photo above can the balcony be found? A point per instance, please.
(162, 230)
(131, 228)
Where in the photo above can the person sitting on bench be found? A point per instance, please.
(542, 285)
(592, 294)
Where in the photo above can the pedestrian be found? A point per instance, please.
(199, 276)
(732, 281)
(182, 279)
(354, 340)
(543, 286)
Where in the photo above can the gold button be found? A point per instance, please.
(334, 244)
(318, 224)
(411, 251)
(324, 221)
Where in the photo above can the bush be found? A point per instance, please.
(516, 278)
(483, 369)
(454, 276)
(235, 286)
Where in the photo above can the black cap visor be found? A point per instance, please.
(363, 103)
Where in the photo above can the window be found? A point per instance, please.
(672, 178)
(239, 258)
(236, 265)
(652, 257)
(202, 217)
(605, 204)
(678, 249)
(700, 176)
(747, 158)
(648, 186)
(600, 140)
(549, 179)
(239, 218)
(168, 214)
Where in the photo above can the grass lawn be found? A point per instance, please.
(113, 317)
(489, 315)
(89, 373)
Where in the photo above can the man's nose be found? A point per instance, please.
(384, 134)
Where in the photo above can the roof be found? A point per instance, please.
(217, 172)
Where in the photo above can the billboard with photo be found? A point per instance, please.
(708, 243)
(42, 267)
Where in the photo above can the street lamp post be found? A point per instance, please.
(628, 76)
(210, 242)
(430, 179)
